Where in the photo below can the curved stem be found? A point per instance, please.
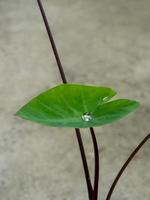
(125, 166)
(86, 171)
(64, 80)
(52, 42)
(96, 176)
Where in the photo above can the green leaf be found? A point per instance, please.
(79, 106)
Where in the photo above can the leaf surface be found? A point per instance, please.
(66, 105)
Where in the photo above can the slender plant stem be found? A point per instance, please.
(125, 166)
(64, 80)
(86, 171)
(60, 67)
(96, 176)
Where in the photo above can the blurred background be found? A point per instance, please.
(100, 42)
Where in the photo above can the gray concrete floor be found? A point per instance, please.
(101, 42)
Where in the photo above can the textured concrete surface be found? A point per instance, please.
(101, 42)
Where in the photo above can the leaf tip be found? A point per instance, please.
(18, 113)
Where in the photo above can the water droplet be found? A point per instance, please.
(86, 117)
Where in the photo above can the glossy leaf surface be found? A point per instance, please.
(79, 106)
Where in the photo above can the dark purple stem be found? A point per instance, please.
(125, 166)
(86, 170)
(64, 80)
(60, 67)
(96, 176)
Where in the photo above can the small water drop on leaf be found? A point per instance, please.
(86, 117)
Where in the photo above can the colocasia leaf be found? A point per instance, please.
(79, 106)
